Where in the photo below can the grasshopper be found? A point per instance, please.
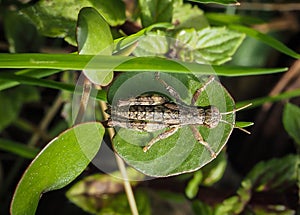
(150, 113)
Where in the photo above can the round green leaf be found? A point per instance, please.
(59, 163)
(93, 33)
(94, 37)
(180, 152)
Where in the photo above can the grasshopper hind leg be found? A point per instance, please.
(161, 136)
(143, 100)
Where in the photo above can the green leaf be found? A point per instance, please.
(291, 121)
(118, 204)
(272, 210)
(243, 124)
(209, 46)
(188, 16)
(113, 11)
(125, 45)
(59, 163)
(37, 73)
(94, 37)
(214, 171)
(276, 44)
(18, 148)
(181, 152)
(202, 208)
(153, 44)
(93, 33)
(216, 1)
(155, 11)
(101, 95)
(15, 25)
(94, 190)
(12, 101)
(237, 203)
(223, 18)
(125, 64)
(57, 18)
(192, 187)
(272, 175)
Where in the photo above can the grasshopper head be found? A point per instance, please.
(212, 117)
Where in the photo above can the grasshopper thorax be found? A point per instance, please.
(212, 116)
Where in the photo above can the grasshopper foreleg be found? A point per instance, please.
(169, 88)
(201, 89)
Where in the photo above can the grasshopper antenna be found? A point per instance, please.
(234, 111)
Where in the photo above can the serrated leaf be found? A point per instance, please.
(155, 11)
(153, 44)
(181, 152)
(57, 18)
(277, 173)
(291, 121)
(59, 163)
(274, 174)
(94, 38)
(214, 45)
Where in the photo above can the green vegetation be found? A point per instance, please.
(64, 62)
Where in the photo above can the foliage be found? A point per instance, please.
(136, 38)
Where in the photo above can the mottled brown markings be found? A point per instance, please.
(150, 113)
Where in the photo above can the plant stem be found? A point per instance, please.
(122, 168)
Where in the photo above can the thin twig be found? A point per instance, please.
(87, 86)
(293, 72)
(288, 21)
(122, 168)
(46, 120)
(269, 6)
